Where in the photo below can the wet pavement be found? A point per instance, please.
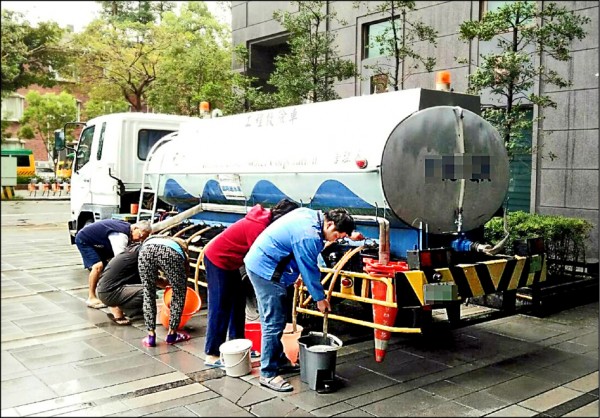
(60, 358)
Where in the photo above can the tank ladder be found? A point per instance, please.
(147, 187)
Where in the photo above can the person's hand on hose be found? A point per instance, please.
(323, 306)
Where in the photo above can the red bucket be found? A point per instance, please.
(253, 332)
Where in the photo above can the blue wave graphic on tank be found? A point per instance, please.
(330, 194)
(333, 194)
(177, 196)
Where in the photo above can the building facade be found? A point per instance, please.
(566, 185)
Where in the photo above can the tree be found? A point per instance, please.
(309, 70)
(30, 55)
(45, 113)
(123, 55)
(397, 41)
(195, 62)
(102, 100)
(135, 11)
(522, 31)
(245, 97)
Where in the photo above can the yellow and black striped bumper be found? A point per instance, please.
(483, 278)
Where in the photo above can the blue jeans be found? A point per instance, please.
(271, 298)
(226, 306)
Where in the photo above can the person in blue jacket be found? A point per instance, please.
(288, 247)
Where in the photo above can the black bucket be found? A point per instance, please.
(318, 357)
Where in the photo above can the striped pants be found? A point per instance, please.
(151, 258)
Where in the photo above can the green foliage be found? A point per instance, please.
(564, 237)
(30, 55)
(398, 39)
(135, 11)
(195, 62)
(26, 132)
(26, 179)
(310, 69)
(521, 32)
(45, 113)
(121, 55)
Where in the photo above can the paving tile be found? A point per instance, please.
(405, 404)
(333, 410)
(448, 409)
(380, 394)
(552, 376)
(169, 394)
(10, 364)
(520, 388)
(360, 384)
(482, 378)
(62, 402)
(550, 399)
(9, 412)
(577, 364)
(254, 395)
(275, 407)
(25, 390)
(482, 401)
(183, 361)
(218, 407)
(513, 411)
(110, 408)
(229, 387)
(149, 382)
(589, 410)
(447, 389)
(585, 383)
(169, 404)
(180, 411)
(354, 413)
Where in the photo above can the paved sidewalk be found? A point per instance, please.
(60, 358)
(38, 195)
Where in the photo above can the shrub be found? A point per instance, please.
(564, 237)
(25, 179)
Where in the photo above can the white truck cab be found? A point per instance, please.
(109, 162)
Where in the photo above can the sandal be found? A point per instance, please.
(178, 337)
(216, 365)
(118, 321)
(277, 383)
(149, 341)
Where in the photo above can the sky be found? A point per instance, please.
(77, 13)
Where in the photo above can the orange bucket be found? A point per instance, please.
(192, 305)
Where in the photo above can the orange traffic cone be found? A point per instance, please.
(383, 315)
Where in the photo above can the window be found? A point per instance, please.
(101, 142)
(519, 190)
(12, 107)
(22, 160)
(377, 38)
(84, 149)
(146, 140)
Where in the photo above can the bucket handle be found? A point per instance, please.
(236, 364)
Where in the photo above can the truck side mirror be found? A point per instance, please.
(59, 140)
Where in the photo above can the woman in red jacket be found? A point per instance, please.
(223, 257)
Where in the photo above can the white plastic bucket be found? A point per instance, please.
(235, 356)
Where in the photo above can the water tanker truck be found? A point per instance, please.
(420, 170)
